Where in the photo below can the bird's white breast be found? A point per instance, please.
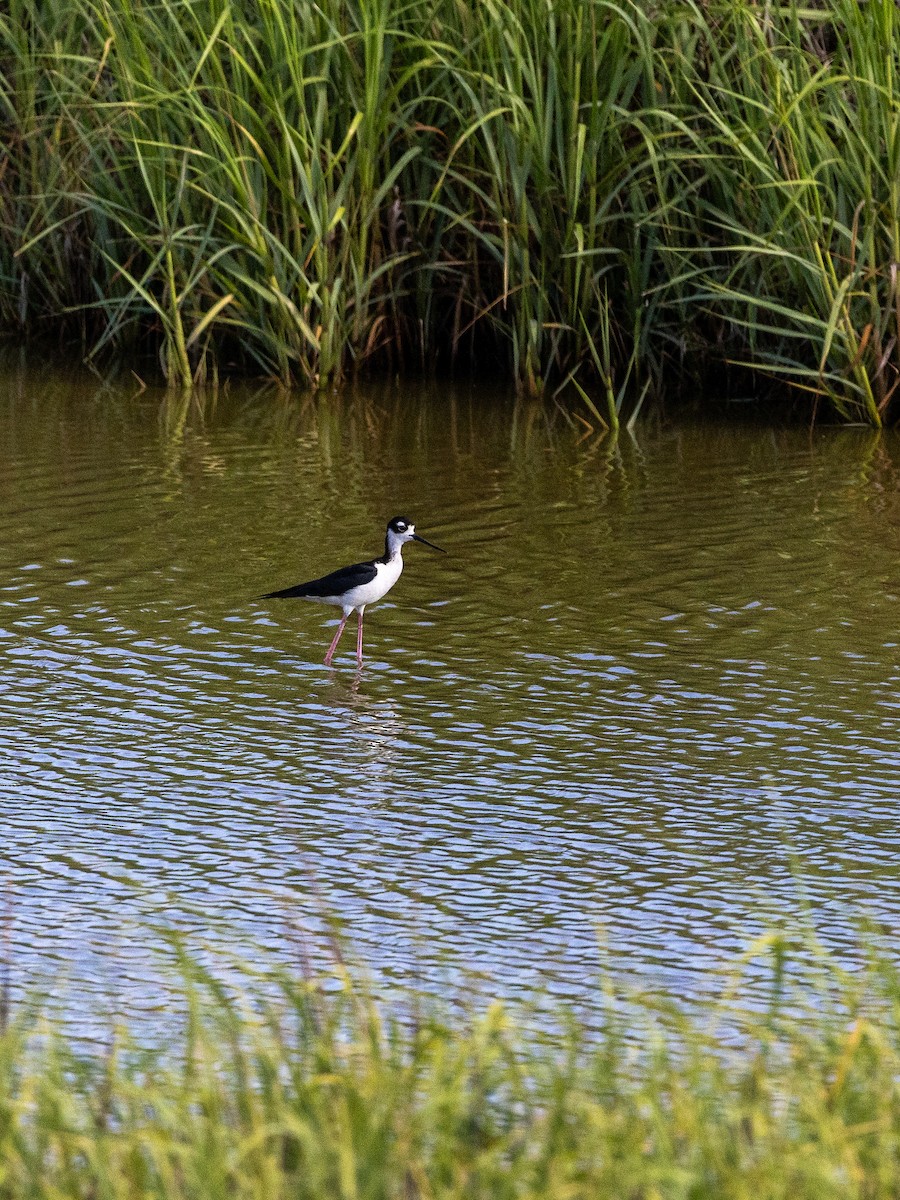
(386, 576)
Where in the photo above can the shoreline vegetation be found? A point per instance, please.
(604, 201)
(276, 1085)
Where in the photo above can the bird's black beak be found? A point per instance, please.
(425, 542)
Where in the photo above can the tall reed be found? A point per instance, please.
(597, 193)
(797, 120)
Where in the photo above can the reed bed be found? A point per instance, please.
(287, 1088)
(600, 199)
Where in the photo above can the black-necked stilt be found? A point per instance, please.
(353, 588)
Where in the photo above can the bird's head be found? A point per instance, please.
(400, 530)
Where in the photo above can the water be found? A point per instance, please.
(648, 700)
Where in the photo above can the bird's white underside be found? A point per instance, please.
(357, 598)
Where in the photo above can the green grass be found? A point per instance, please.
(599, 199)
(277, 1087)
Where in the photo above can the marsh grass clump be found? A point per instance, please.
(279, 1087)
(602, 200)
(795, 123)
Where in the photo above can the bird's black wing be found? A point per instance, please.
(335, 584)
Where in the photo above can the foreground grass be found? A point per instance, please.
(289, 1090)
(605, 194)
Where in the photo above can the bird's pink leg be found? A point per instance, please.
(359, 640)
(337, 637)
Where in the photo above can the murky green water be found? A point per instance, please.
(652, 689)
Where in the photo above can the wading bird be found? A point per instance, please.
(354, 588)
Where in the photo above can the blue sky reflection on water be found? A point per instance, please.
(649, 699)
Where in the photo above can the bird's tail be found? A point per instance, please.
(285, 593)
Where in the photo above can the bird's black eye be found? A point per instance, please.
(401, 527)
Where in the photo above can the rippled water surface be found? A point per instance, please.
(649, 697)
